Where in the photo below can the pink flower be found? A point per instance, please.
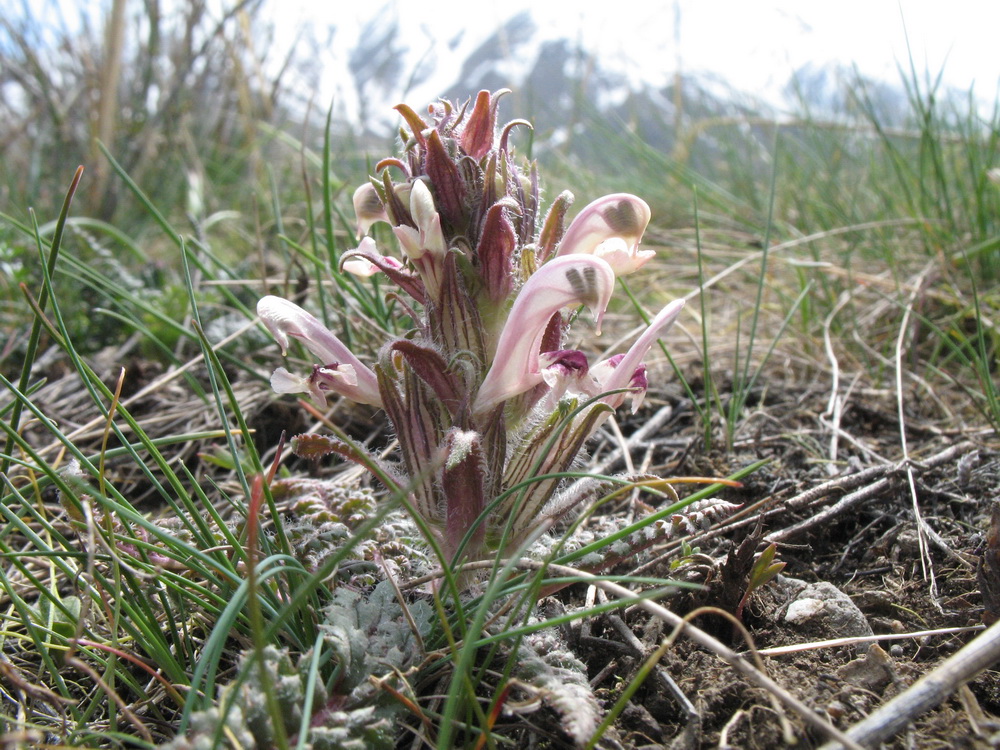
(429, 238)
(570, 280)
(621, 256)
(323, 380)
(356, 263)
(365, 260)
(565, 370)
(341, 371)
(610, 228)
(627, 370)
(424, 244)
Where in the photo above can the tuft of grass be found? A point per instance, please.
(865, 197)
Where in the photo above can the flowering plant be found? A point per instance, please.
(482, 395)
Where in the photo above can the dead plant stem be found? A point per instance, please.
(925, 556)
(886, 476)
(927, 692)
(705, 640)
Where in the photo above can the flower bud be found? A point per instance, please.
(480, 130)
(368, 208)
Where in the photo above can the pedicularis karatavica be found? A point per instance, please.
(481, 393)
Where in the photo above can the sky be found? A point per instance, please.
(754, 45)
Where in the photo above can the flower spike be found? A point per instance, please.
(477, 382)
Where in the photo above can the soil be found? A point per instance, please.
(866, 560)
(850, 569)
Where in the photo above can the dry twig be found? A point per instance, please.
(865, 491)
(927, 692)
(705, 640)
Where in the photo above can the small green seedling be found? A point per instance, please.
(763, 572)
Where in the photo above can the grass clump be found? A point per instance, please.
(173, 574)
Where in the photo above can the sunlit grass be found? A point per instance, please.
(815, 223)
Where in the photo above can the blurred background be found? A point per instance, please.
(204, 87)
(247, 125)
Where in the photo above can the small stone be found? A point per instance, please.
(871, 672)
(836, 710)
(803, 610)
(823, 611)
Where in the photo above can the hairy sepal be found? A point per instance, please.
(463, 479)
(549, 448)
(433, 369)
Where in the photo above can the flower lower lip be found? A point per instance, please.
(285, 319)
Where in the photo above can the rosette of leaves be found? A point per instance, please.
(365, 639)
(324, 516)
